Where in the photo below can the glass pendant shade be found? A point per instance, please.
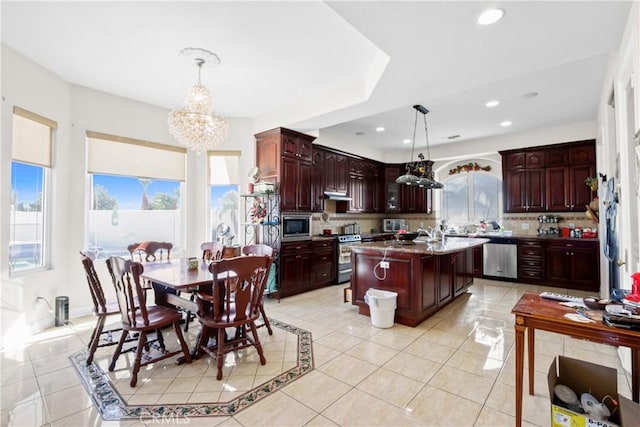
(197, 126)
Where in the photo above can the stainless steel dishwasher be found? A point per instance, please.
(500, 258)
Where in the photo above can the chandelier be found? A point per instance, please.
(197, 126)
(419, 173)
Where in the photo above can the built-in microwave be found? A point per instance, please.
(392, 225)
(295, 227)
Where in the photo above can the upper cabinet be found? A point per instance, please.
(284, 157)
(548, 179)
(335, 172)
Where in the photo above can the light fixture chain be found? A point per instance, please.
(426, 135)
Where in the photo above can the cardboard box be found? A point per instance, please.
(597, 380)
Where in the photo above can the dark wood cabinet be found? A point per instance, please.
(307, 265)
(317, 181)
(295, 268)
(531, 258)
(548, 179)
(415, 199)
(324, 268)
(524, 190)
(573, 264)
(335, 172)
(462, 271)
(391, 189)
(284, 157)
(477, 261)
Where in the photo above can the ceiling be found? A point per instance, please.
(346, 67)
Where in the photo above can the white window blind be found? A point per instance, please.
(32, 138)
(223, 167)
(116, 155)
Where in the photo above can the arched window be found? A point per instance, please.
(469, 198)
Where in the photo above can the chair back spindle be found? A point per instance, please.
(126, 279)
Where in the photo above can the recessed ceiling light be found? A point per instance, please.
(492, 103)
(490, 16)
(406, 141)
(379, 129)
(505, 123)
(529, 95)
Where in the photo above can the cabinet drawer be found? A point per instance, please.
(531, 263)
(319, 245)
(323, 257)
(531, 252)
(295, 247)
(322, 272)
(573, 244)
(531, 274)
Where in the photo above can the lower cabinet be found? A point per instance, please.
(477, 261)
(324, 268)
(307, 265)
(573, 264)
(531, 257)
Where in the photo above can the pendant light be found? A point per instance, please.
(423, 168)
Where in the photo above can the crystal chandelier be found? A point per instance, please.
(197, 126)
(420, 173)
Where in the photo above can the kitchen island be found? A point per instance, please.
(426, 276)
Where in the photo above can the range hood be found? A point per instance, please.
(332, 195)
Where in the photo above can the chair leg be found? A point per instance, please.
(136, 364)
(160, 338)
(95, 338)
(183, 344)
(118, 349)
(256, 343)
(220, 354)
(203, 339)
(265, 319)
(186, 321)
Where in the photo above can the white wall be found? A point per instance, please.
(78, 109)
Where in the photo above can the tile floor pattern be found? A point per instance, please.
(454, 369)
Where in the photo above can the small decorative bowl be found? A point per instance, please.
(406, 236)
(595, 303)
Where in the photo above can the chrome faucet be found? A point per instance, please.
(432, 233)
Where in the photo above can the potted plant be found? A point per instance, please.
(592, 182)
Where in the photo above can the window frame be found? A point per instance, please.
(471, 197)
(31, 154)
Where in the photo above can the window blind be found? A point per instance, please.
(117, 155)
(32, 138)
(223, 167)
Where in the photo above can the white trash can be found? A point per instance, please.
(382, 307)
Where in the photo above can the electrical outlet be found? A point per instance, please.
(572, 225)
(525, 225)
(384, 264)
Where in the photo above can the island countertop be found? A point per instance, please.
(450, 245)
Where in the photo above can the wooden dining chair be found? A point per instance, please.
(146, 251)
(260, 249)
(143, 319)
(212, 251)
(101, 309)
(237, 291)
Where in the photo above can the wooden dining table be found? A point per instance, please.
(171, 277)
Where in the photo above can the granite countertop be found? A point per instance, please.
(450, 245)
(499, 235)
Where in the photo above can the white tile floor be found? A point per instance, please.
(454, 369)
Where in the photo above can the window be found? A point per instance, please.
(132, 199)
(32, 140)
(224, 196)
(472, 197)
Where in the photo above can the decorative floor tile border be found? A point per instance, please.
(112, 407)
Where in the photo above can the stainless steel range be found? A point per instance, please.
(345, 242)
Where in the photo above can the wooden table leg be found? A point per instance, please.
(531, 340)
(520, 329)
(635, 374)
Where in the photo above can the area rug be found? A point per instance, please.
(113, 407)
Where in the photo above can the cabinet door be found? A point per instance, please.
(477, 261)
(356, 192)
(535, 185)
(585, 271)
(342, 176)
(289, 185)
(557, 194)
(445, 278)
(303, 185)
(580, 192)
(317, 184)
(558, 264)
(515, 191)
(268, 156)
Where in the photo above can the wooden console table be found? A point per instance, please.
(533, 312)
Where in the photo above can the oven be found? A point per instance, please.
(345, 242)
